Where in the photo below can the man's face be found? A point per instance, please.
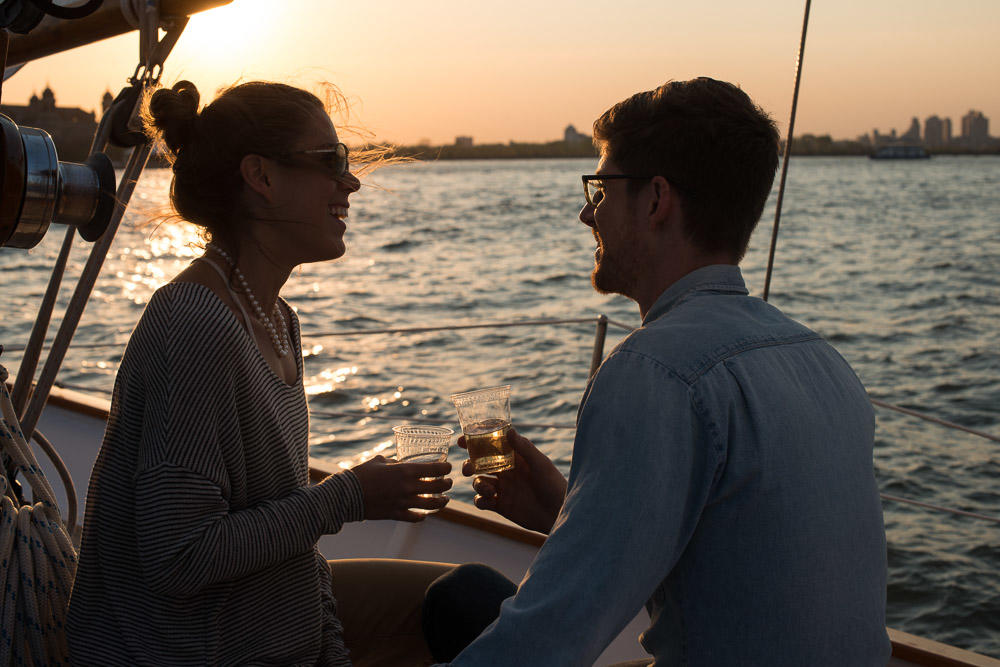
(613, 221)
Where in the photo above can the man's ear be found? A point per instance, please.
(256, 172)
(662, 200)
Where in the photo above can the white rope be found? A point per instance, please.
(37, 557)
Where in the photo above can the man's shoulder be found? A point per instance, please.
(701, 332)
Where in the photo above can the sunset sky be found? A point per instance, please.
(523, 70)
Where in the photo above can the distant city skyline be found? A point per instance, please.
(524, 70)
(937, 131)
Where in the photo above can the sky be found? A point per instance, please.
(522, 70)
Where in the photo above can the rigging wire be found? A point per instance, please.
(787, 154)
(363, 332)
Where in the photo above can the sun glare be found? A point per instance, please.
(227, 38)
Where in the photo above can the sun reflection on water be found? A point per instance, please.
(328, 378)
(311, 350)
(366, 455)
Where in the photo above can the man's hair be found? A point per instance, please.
(711, 142)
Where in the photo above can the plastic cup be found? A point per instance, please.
(422, 444)
(485, 418)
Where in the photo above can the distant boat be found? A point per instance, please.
(900, 153)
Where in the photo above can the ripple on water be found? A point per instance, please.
(399, 246)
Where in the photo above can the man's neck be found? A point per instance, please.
(658, 282)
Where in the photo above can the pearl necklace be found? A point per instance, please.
(281, 343)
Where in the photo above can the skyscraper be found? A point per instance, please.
(912, 135)
(934, 132)
(975, 129)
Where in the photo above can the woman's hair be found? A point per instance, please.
(205, 147)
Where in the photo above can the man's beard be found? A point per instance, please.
(613, 274)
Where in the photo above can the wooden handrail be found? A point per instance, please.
(920, 651)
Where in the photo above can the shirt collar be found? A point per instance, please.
(713, 278)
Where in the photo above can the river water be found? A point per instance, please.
(896, 263)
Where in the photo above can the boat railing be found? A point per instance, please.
(601, 323)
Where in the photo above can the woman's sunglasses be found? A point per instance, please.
(332, 159)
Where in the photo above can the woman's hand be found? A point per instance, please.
(392, 489)
(530, 495)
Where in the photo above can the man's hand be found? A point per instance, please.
(530, 495)
(392, 489)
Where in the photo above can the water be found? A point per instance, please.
(896, 263)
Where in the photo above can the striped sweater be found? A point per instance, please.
(199, 539)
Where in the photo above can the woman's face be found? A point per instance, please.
(309, 210)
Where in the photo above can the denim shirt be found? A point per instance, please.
(722, 475)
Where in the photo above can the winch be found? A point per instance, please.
(36, 189)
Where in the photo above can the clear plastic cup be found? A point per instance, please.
(485, 418)
(422, 444)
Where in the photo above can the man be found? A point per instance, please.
(722, 470)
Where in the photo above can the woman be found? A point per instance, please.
(199, 542)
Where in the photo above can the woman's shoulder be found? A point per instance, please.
(181, 314)
(186, 302)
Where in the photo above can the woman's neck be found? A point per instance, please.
(263, 275)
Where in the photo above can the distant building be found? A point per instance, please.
(934, 132)
(463, 141)
(72, 130)
(879, 139)
(975, 130)
(571, 136)
(912, 135)
(947, 131)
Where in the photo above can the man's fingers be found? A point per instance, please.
(468, 468)
(485, 503)
(525, 447)
(485, 486)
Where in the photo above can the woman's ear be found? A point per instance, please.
(256, 171)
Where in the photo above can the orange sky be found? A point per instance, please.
(515, 70)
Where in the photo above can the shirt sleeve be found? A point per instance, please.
(188, 537)
(643, 464)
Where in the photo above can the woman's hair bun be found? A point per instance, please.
(173, 112)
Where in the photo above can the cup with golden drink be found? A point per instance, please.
(485, 418)
(422, 444)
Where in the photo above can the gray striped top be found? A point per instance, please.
(199, 539)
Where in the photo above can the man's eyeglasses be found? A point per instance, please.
(593, 185)
(332, 159)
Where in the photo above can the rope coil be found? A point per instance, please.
(37, 557)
